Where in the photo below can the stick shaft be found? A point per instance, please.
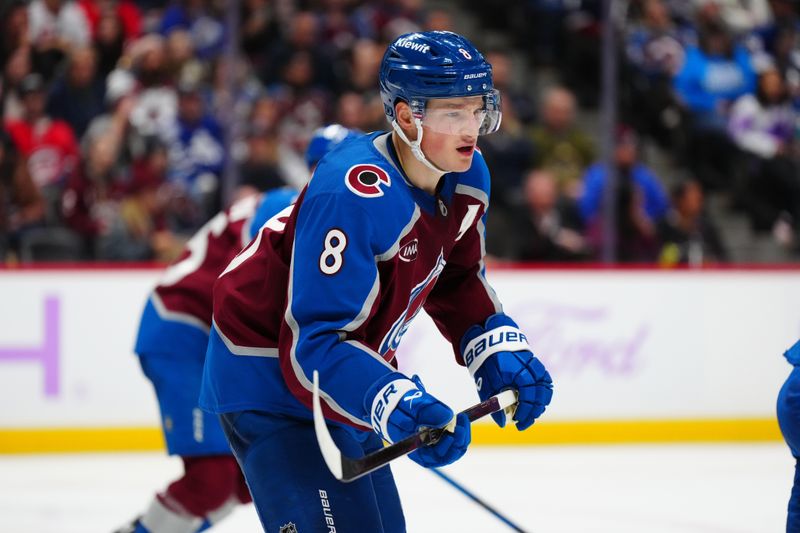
(472, 496)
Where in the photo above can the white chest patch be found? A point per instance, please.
(469, 218)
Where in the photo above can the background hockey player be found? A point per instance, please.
(789, 420)
(171, 344)
(389, 224)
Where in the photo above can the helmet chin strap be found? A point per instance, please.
(416, 149)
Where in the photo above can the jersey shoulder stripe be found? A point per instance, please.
(477, 177)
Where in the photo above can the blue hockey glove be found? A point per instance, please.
(498, 357)
(400, 407)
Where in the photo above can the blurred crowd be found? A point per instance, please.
(128, 124)
(713, 86)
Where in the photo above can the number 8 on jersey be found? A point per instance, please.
(331, 259)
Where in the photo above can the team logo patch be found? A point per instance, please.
(408, 252)
(365, 180)
(288, 528)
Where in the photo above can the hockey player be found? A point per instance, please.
(789, 420)
(171, 344)
(390, 223)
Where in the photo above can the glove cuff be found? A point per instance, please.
(385, 401)
(500, 339)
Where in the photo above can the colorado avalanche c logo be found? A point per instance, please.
(365, 180)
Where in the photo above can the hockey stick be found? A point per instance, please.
(477, 500)
(347, 468)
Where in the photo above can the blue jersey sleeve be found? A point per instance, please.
(334, 283)
(272, 203)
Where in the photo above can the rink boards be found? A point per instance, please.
(636, 356)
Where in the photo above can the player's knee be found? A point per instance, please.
(207, 484)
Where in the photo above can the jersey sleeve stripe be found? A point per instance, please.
(393, 249)
(476, 193)
(367, 307)
(245, 236)
(172, 316)
(385, 256)
(244, 255)
(235, 349)
(301, 377)
(498, 307)
(375, 355)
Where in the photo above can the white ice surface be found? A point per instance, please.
(577, 489)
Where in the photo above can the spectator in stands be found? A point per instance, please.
(260, 31)
(503, 77)
(203, 21)
(112, 136)
(385, 21)
(196, 156)
(636, 238)
(234, 108)
(439, 20)
(336, 28)
(108, 43)
(147, 58)
(542, 26)
(85, 200)
(655, 52)
(405, 16)
(301, 44)
(579, 65)
(548, 226)
(18, 66)
(631, 173)
(49, 145)
(763, 126)
(156, 100)
(78, 96)
(126, 12)
(561, 145)
(740, 16)
(362, 68)
(351, 110)
(509, 152)
(687, 234)
(307, 104)
(136, 229)
(21, 204)
(786, 57)
(180, 53)
(265, 122)
(56, 26)
(713, 76)
(260, 171)
(14, 30)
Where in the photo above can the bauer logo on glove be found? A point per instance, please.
(499, 358)
(500, 339)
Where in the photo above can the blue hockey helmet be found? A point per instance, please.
(421, 66)
(324, 140)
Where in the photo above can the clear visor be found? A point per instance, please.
(468, 115)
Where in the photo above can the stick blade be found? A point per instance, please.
(330, 452)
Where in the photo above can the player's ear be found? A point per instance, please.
(405, 119)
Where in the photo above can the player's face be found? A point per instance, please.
(451, 127)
